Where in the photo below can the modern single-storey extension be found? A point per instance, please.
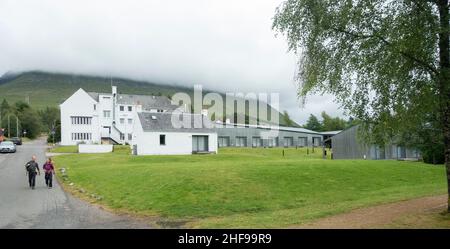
(155, 134)
(241, 135)
(347, 145)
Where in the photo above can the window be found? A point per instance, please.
(122, 108)
(199, 143)
(224, 141)
(95, 107)
(122, 121)
(316, 141)
(81, 120)
(257, 142)
(241, 141)
(130, 136)
(162, 139)
(130, 121)
(288, 141)
(122, 136)
(130, 108)
(81, 136)
(272, 142)
(106, 114)
(302, 141)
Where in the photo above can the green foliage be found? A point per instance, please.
(332, 124)
(49, 117)
(379, 58)
(328, 123)
(65, 149)
(5, 108)
(246, 187)
(30, 122)
(287, 120)
(313, 123)
(55, 132)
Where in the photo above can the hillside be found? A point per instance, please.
(42, 89)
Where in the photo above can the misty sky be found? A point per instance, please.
(225, 45)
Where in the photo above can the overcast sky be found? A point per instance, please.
(225, 45)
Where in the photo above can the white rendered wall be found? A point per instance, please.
(95, 148)
(177, 143)
(80, 104)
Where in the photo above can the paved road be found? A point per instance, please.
(21, 207)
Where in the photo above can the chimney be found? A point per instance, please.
(114, 93)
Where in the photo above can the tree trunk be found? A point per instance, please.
(444, 86)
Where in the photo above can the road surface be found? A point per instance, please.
(21, 207)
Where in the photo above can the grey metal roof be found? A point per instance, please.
(271, 127)
(330, 132)
(95, 95)
(163, 122)
(148, 102)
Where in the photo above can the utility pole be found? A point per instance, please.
(53, 132)
(9, 130)
(17, 126)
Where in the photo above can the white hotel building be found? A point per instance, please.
(145, 123)
(105, 118)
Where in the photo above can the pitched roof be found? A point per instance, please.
(175, 122)
(148, 102)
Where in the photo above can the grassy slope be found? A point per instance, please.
(247, 187)
(50, 89)
(47, 89)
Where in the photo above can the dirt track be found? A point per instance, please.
(382, 216)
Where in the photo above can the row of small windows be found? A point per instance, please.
(81, 136)
(129, 108)
(129, 136)
(81, 120)
(122, 121)
(241, 141)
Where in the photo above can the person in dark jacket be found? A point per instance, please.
(49, 172)
(32, 169)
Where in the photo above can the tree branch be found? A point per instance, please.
(386, 42)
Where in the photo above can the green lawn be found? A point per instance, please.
(65, 149)
(255, 188)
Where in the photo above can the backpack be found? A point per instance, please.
(31, 167)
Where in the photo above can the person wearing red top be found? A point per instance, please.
(49, 172)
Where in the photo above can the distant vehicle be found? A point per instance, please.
(7, 147)
(16, 140)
